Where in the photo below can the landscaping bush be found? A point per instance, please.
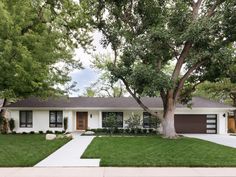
(49, 131)
(111, 123)
(24, 133)
(11, 124)
(65, 121)
(231, 130)
(40, 132)
(57, 132)
(144, 131)
(32, 132)
(134, 123)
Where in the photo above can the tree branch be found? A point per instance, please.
(181, 59)
(186, 76)
(211, 11)
(138, 99)
(196, 7)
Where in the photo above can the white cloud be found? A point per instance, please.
(87, 76)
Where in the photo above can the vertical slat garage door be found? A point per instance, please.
(196, 123)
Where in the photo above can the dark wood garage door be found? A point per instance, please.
(195, 123)
(190, 123)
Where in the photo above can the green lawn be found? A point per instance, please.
(26, 150)
(155, 151)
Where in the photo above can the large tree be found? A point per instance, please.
(37, 38)
(147, 36)
(223, 90)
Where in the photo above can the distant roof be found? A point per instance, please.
(98, 102)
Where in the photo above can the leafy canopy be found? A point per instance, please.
(37, 38)
(146, 36)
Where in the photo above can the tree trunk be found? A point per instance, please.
(3, 111)
(168, 123)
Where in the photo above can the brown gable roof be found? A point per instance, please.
(98, 102)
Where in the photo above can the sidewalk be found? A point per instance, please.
(69, 155)
(117, 172)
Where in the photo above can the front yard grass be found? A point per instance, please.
(158, 152)
(26, 150)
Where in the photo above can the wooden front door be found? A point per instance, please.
(81, 120)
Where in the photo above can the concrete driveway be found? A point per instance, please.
(225, 140)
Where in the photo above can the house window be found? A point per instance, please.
(118, 116)
(149, 121)
(26, 119)
(55, 119)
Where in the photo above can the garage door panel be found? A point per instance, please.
(186, 123)
(190, 123)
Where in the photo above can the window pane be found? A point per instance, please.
(146, 120)
(56, 119)
(118, 116)
(119, 119)
(26, 119)
(52, 117)
(59, 117)
(23, 119)
(52, 125)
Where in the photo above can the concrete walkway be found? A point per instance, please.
(117, 172)
(225, 140)
(69, 155)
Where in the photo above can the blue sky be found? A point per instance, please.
(86, 76)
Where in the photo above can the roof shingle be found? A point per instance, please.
(121, 102)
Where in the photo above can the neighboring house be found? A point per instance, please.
(33, 114)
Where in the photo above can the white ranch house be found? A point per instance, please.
(83, 113)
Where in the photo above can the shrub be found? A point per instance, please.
(57, 132)
(40, 132)
(24, 133)
(150, 130)
(144, 130)
(13, 132)
(11, 124)
(231, 130)
(111, 123)
(134, 123)
(32, 132)
(65, 121)
(49, 131)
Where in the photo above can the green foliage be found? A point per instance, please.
(223, 91)
(11, 124)
(134, 122)
(89, 92)
(106, 85)
(111, 123)
(65, 123)
(148, 36)
(37, 42)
